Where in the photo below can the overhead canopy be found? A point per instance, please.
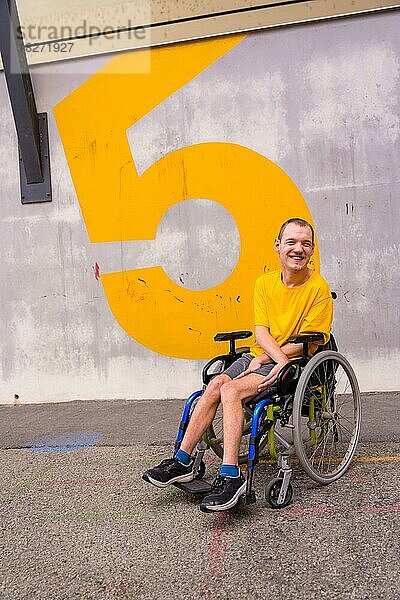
(55, 31)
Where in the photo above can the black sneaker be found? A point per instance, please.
(225, 493)
(169, 471)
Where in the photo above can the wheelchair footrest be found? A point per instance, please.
(196, 486)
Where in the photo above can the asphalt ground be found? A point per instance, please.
(77, 521)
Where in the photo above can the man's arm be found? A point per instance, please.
(272, 353)
(269, 345)
(319, 317)
(272, 350)
(292, 350)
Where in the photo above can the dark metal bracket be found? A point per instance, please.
(38, 191)
(31, 127)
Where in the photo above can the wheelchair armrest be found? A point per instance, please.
(306, 338)
(232, 335)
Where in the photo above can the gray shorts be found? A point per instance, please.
(242, 363)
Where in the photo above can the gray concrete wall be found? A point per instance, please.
(322, 102)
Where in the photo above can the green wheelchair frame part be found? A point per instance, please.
(314, 440)
(209, 441)
(271, 438)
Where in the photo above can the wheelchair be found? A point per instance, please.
(311, 415)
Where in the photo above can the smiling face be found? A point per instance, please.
(295, 248)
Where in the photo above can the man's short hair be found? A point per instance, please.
(297, 221)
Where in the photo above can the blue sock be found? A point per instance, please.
(229, 471)
(183, 457)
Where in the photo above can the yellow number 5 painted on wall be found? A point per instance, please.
(119, 205)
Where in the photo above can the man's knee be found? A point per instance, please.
(230, 391)
(215, 385)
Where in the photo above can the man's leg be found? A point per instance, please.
(233, 394)
(204, 413)
(173, 470)
(230, 484)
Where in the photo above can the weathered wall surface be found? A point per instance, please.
(167, 191)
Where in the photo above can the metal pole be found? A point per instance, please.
(20, 90)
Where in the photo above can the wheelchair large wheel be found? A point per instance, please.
(326, 416)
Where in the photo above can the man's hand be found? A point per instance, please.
(255, 364)
(270, 379)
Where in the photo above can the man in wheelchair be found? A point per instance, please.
(287, 302)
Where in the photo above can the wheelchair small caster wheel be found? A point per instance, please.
(201, 470)
(272, 492)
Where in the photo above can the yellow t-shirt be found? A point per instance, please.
(289, 311)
